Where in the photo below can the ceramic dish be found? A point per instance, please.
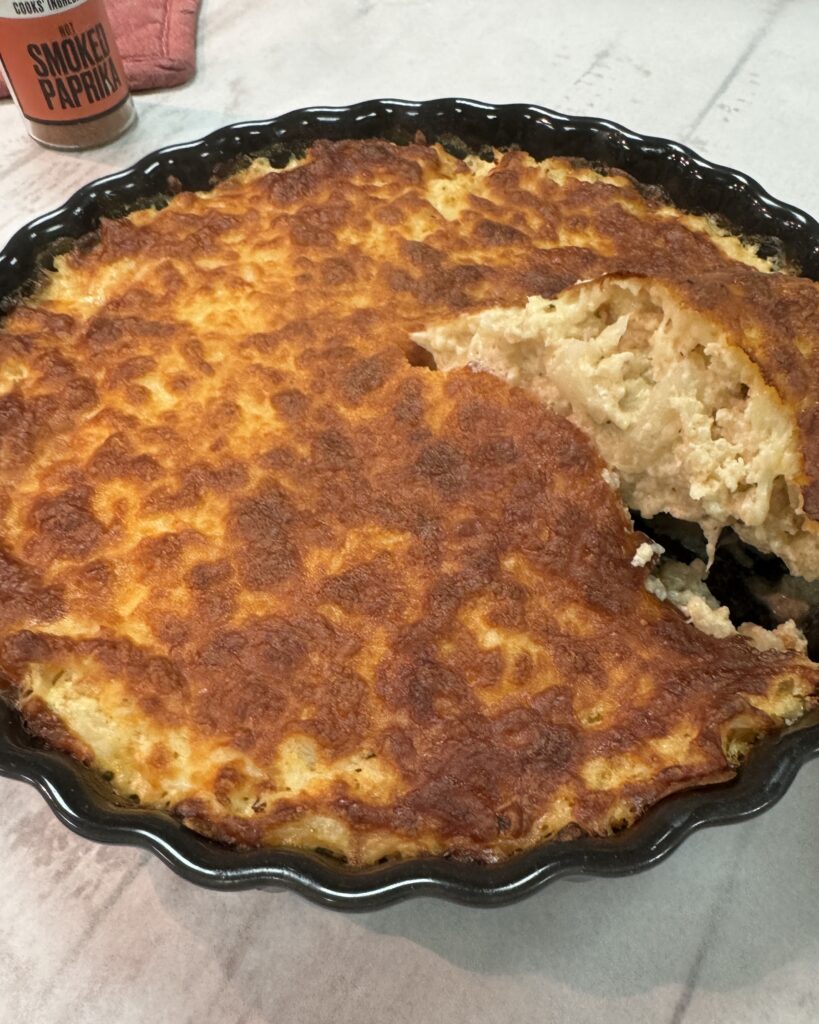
(84, 802)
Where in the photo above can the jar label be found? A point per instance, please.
(60, 59)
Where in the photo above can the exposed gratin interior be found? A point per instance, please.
(669, 392)
(266, 568)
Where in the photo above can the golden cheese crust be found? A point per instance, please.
(269, 574)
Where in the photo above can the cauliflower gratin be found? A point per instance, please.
(267, 569)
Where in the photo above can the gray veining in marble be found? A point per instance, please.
(728, 928)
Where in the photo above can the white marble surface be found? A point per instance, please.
(728, 928)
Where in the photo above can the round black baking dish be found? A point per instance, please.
(84, 802)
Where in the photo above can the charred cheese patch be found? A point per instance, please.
(272, 576)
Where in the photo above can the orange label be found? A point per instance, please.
(60, 59)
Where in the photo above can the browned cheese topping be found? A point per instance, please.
(271, 572)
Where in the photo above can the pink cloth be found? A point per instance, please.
(157, 40)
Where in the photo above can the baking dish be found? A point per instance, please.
(82, 800)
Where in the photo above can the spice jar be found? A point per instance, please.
(64, 71)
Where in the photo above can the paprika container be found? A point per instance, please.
(64, 72)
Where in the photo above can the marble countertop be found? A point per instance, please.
(723, 931)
